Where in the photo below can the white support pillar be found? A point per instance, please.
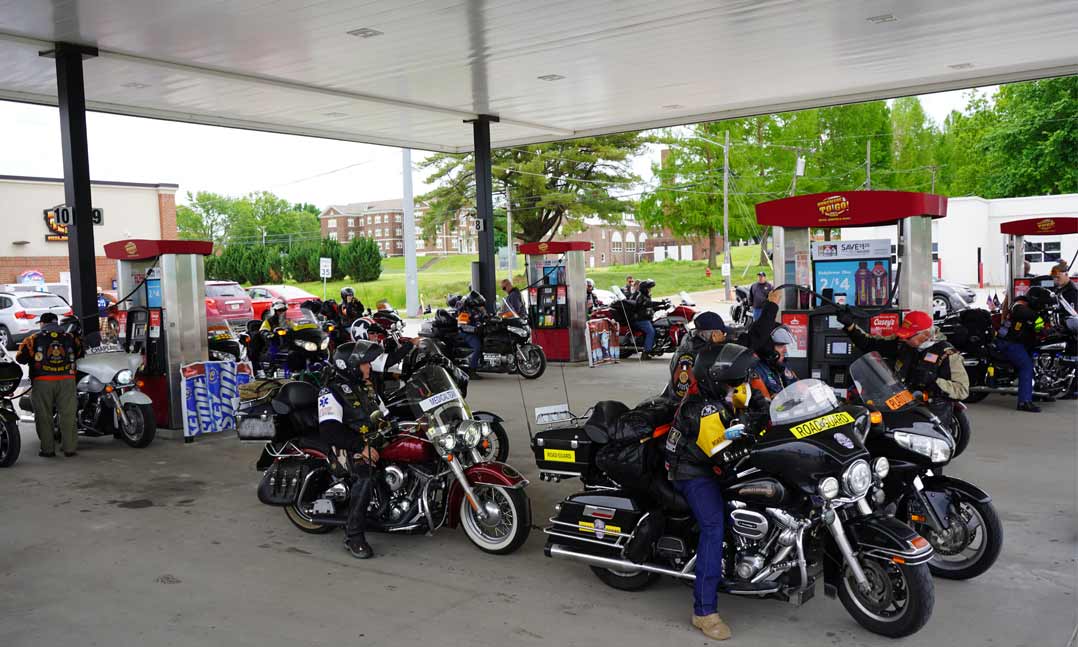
(915, 284)
(411, 273)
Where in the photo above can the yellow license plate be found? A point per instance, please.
(900, 400)
(588, 526)
(559, 455)
(823, 423)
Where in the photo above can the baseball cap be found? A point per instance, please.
(761, 274)
(47, 317)
(709, 321)
(913, 323)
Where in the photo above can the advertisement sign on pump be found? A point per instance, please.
(860, 283)
(797, 322)
(883, 324)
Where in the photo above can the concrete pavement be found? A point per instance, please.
(169, 546)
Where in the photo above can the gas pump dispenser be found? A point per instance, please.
(556, 295)
(164, 315)
(1016, 231)
(861, 273)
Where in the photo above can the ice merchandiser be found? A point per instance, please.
(556, 298)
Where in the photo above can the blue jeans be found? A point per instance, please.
(645, 327)
(756, 312)
(1018, 355)
(472, 341)
(705, 498)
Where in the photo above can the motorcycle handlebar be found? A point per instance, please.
(854, 310)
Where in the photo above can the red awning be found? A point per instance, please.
(1040, 227)
(554, 247)
(139, 249)
(849, 209)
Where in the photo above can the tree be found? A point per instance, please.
(550, 185)
(207, 217)
(361, 260)
(914, 136)
(262, 216)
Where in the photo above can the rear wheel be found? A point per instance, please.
(534, 362)
(10, 443)
(625, 580)
(971, 545)
(898, 601)
(506, 524)
(299, 512)
(960, 431)
(141, 425)
(303, 522)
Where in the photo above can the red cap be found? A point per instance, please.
(913, 323)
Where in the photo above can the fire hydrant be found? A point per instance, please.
(707, 272)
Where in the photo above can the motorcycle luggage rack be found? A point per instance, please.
(284, 452)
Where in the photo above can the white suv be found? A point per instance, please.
(19, 312)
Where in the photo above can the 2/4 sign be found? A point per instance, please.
(65, 216)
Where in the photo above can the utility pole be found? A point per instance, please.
(933, 168)
(726, 270)
(868, 165)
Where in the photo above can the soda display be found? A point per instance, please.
(862, 279)
(881, 288)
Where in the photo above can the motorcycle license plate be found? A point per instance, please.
(898, 401)
(559, 455)
(823, 423)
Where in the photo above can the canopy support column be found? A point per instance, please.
(484, 208)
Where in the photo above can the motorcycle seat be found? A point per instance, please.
(597, 427)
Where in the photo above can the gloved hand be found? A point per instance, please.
(845, 317)
(734, 431)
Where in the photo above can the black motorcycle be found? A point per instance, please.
(795, 499)
(296, 349)
(506, 339)
(972, 332)
(956, 517)
(222, 343)
(10, 440)
(741, 312)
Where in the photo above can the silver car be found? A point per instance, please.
(19, 312)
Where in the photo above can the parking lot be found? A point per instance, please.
(170, 546)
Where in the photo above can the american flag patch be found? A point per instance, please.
(931, 357)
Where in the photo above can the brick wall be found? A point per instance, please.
(166, 212)
(52, 266)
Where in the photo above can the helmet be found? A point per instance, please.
(475, 299)
(716, 368)
(646, 285)
(781, 336)
(347, 292)
(279, 305)
(590, 283)
(1039, 298)
(368, 329)
(348, 357)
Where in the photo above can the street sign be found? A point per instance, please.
(325, 268)
(726, 269)
(65, 216)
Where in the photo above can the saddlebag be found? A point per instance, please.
(10, 377)
(565, 452)
(598, 523)
(282, 482)
(255, 420)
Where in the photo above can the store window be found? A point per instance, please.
(333, 235)
(332, 223)
(1043, 251)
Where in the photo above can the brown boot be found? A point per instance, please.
(712, 626)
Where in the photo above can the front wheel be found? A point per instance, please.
(625, 580)
(507, 522)
(971, 545)
(898, 602)
(10, 443)
(534, 362)
(141, 425)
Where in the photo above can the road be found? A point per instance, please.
(169, 546)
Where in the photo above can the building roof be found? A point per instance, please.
(361, 208)
(59, 180)
(409, 73)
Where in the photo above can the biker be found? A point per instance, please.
(923, 358)
(1017, 335)
(1068, 292)
(643, 311)
(513, 298)
(709, 331)
(697, 451)
(630, 286)
(590, 302)
(51, 353)
(770, 374)
(470, 315)
(349, 421)
(265, 339)
(351, 307)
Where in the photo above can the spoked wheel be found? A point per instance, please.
(10, 443)
(970, 546)
(506, 523)
(625, 580)
(141, 425)
(534, 362)
(898, 601)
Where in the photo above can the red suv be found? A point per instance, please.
(230, 300)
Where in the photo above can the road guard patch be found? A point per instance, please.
(823, 423)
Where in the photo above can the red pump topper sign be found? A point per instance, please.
(883, 324)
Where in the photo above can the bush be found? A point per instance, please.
(361, 260)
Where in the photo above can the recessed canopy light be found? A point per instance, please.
(135, 85)
(550, 77)
(334, 114)
(365, 32)
(882, 18)
(673, 106)
(961, 66)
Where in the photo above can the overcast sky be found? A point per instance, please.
(234, 162)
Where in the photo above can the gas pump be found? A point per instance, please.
(556, 296)
(861, 273)
(1016, 231)
(164, 315)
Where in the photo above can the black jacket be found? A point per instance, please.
(1022, 325)
(684, 457)
(1069, 293)
(351, 311)
(936, 369)
(758, 294)
(345, 414)
(681, 364)
(516, 302)
(643, 307)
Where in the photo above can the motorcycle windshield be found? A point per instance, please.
(217, 329)
(877, 383)
(432, 393)
(802, 400)
(505, 312)
(305, 320)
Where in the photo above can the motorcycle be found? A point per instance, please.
(956, 517)
(222, 342)
(108, 397)
(506, 339)
(671, 324)
(796, 509)
(297, 349)
(741, 312)
(10, 439)
(972, 332)
(430, 473)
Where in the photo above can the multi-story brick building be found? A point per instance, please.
(629, 242)
(383, 221)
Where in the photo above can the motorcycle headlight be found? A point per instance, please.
(125, 377)
(448, 442)
(325, 343)
(308, 346)
(470, 432)
(938, 451)
(828, 488)
(857, 479)
(517, 330)
(882, 467)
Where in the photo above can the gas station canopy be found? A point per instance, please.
(407, 74)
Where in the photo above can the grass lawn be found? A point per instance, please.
(453, 274)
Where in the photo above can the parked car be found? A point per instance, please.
(231, 302)
(262, 296)
(948, 297)
(19, 312)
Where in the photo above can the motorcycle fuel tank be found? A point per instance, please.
(806, 452)
(408, 448)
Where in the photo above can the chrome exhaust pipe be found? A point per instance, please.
(1003, 390)
(616, 564)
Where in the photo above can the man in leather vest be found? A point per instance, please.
(51, 353)
(922, 357)
(709, 331)
(350, 421)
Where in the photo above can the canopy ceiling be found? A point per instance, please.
(315, 67)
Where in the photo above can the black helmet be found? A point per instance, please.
(646, 285)
(1039, 298)
(728, 365)
(475, 300)
(347, 292)
(348, 357)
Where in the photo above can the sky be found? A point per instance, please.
(235, 162)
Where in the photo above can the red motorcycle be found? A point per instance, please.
(671, 324)
(431, 473)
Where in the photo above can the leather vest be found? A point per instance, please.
(918, 368)
(54, 355)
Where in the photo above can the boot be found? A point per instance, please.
(359, 548)
(712, 626)
(1028, 406)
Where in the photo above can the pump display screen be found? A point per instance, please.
(838, 347)
(138, 331)
(864, 282)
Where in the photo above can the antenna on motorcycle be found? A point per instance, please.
(524, 407)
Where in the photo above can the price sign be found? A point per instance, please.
(325, 268)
